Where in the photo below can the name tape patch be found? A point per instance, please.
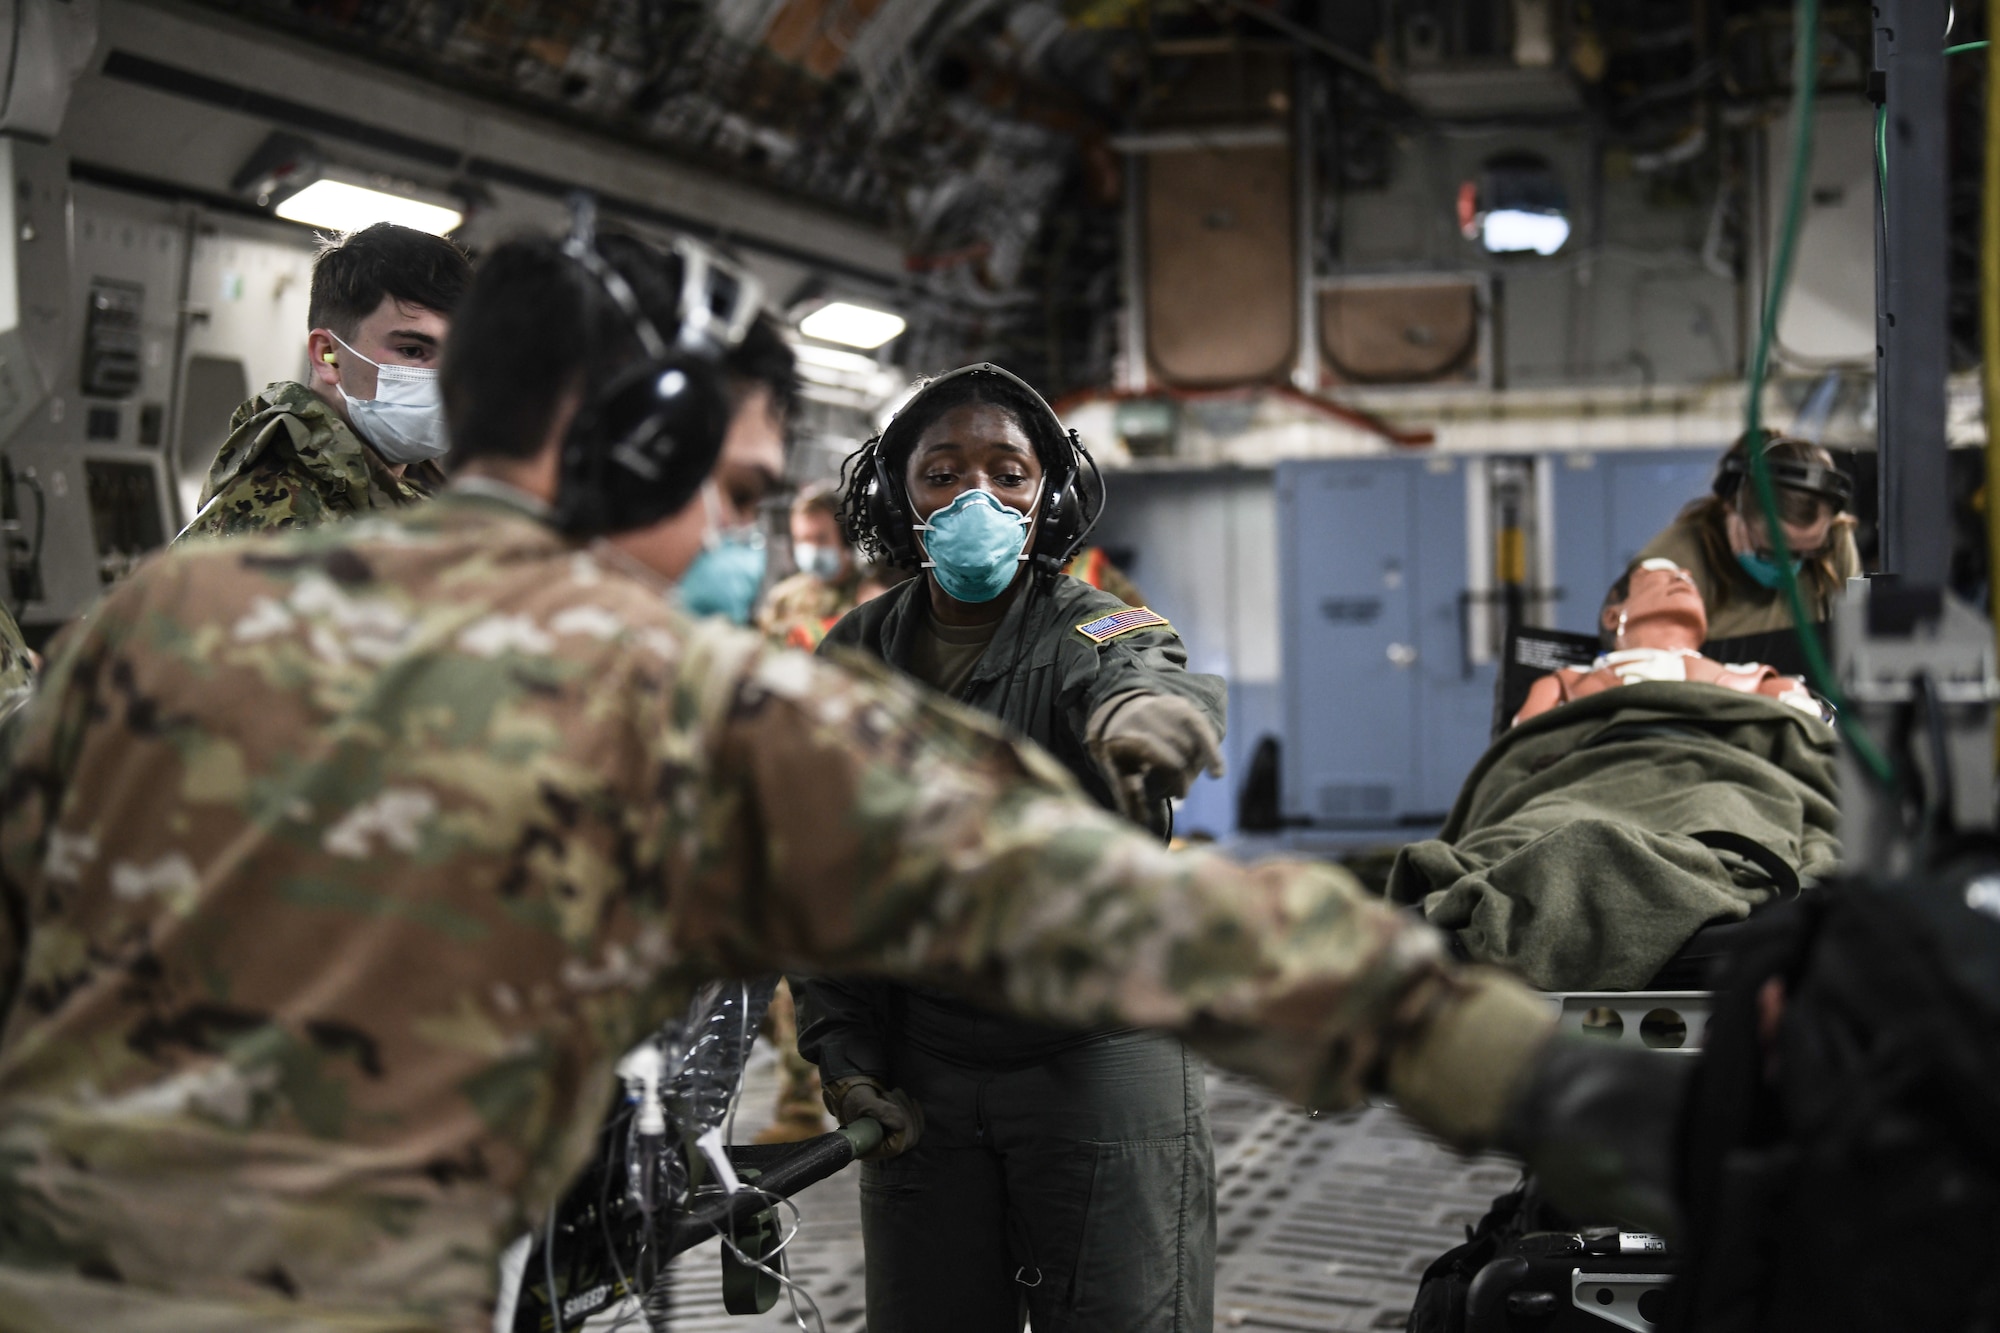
(1105, 628)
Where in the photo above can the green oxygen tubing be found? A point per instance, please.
(1805, 72)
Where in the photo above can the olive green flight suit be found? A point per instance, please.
(1069, 1170)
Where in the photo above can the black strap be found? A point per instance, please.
(1778, 870)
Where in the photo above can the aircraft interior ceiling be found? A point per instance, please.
(1378, 364)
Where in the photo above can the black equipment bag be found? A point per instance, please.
(1841, 1141)
(1527, 1269)
(1440, 1303)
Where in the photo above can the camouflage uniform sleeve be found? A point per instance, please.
(38, 746)
(271, 494)
(853, 825)
(17, 671)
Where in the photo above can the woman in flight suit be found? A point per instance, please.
(1067, 1172)
(1722, 543)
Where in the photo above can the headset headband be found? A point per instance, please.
(1829, 483)
(646, 435)
(1062, 525)
(718, 300)
(988, 368)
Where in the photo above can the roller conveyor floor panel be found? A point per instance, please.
(1324, 1223)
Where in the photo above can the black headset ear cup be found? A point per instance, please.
(888, 515)
(1727, 479)
(642, 445)
(1067, 513)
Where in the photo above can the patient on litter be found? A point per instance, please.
(1657, 623)
(1634, 808)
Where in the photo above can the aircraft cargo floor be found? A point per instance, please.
(1324, 1223)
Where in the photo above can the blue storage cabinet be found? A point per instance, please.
(1607, 507)
(1384, 716)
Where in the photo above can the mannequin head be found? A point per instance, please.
(1655, 605)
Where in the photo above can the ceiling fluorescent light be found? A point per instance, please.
(851, 325)
(340, 206)
(832, 358)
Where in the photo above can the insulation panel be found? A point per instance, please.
(1221, 276)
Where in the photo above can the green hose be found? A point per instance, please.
(1805, 74)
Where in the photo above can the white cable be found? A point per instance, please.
(793, 1290)
(549, 1269)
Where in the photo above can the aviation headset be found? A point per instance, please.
(643, 441)
(1069, 508)
(1829, 483)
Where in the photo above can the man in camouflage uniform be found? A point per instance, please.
(800, 608)
(339, 867)
(357, 436)
(17, 665)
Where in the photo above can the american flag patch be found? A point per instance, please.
(1106, 628)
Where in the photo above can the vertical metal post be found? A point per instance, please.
(1911, 292)
(1305, 245)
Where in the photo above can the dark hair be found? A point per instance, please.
(934, 398)
(534, 324)
(352, 273)
(1709, 516)
(765, 358)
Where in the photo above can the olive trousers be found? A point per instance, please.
(1080, 1191)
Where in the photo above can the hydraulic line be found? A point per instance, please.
(1805, 72)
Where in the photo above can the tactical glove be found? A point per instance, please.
(859, 1095)
(1599, 1127)
(1150, 747)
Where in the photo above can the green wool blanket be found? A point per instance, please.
(1569, 859)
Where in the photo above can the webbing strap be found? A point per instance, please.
(1780, 872)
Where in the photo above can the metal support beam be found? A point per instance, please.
(1911, 291)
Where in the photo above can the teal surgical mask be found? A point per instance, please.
(975, 545)
(1766, 572)
(725, 577)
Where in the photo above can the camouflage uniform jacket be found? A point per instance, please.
(17, 671)
(338, 867)
(291, 462)
(800, 609)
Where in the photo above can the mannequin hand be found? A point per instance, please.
(1151, 746)
(859, 1095)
